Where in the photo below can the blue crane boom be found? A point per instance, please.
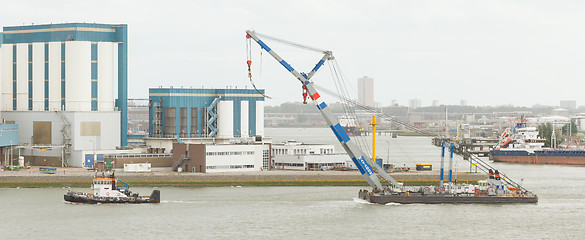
(365, 165)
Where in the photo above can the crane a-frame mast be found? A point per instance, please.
(364, 164)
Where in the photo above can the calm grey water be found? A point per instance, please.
(306, 212)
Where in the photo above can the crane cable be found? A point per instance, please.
(482, 165)
(350, 113)
(249, 62)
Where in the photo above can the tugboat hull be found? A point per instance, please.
(79, 197)
(444, 198)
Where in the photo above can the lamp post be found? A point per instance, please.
(10, 153)
(388, 158)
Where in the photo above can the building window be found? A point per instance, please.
(63, 77)
(46, 76)
(42, 133)
(170, 124)
(183, 122)
(30, 77)
(229, 166)
(266, 159)
(194, 130)
(229, 153)
(90, 128)
(14, 77)
(94, 76)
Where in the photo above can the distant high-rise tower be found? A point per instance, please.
(366, 91)
(414, 103)
(394, 103)
(463, 103)
(435, 103)
(569, 104)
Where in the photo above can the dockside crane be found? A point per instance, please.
(371, 172)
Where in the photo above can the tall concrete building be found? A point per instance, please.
(394, 103)
(414, 103)
(569, 104)
(366, 91)
(435, 103)
(58, 84)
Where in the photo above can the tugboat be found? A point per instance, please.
(106, 191)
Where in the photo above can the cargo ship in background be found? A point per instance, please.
(522, 145)
(350, 126)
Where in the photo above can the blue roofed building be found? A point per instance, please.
(210, 130)
(206, 113)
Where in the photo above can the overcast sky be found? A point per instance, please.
(486, 52)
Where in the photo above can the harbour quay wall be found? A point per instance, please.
(78, 178)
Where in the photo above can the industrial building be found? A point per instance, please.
(293, 155)
(209, 130)
(206, 158)
(206, 113)
(58, 85)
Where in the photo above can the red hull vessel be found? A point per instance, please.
(535, 158)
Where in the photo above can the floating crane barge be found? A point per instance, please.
(444, 198)
(495, 190)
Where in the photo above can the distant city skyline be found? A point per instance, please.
(520, 53)
(418, 103)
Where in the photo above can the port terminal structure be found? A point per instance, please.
(371, 172)
(476, 146)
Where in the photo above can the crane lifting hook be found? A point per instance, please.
(305, 94)
(249, 62)
(249, 70)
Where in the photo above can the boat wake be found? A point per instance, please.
(179, 201)
(363, 201)
(392, 204)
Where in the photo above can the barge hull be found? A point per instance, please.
(440, 198)
(555, 156)
(540, 160)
